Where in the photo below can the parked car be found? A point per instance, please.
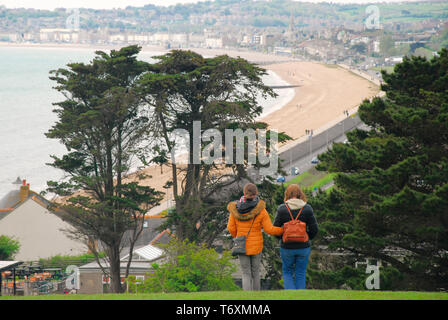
(281, 179)
(315, 160)
(295, 171)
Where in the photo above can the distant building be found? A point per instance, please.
(117, 38)
(137, 38)
(267, 40)
(393, 60)
(196, 40)
(9, 37)
(25, 216)
(291, 34)
(179, 38)
(159, 38)
(213, 43)
(283, 51)
(58, 35)
(359, 40)
(31, 36)
(376, 46)
(246, 40)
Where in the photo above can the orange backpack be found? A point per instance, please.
(294, 230)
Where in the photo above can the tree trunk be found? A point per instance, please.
(173, 164)
(115, 270)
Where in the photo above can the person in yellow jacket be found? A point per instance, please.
(250, 210)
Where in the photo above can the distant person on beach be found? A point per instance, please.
(295, 255)
(248, 216)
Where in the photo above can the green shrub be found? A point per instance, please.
(63, 262)
(8, 247)
(188, 267)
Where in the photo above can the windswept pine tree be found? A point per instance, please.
(100, 123)
(391, 196)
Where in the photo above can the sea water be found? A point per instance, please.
(26, 97)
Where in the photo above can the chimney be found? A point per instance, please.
(24, 191)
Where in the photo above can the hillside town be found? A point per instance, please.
(244, 25)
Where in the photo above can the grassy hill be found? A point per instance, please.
(260, 295)
(312, 179)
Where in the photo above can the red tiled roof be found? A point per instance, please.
(157, 238)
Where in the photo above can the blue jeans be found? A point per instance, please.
(294, 266)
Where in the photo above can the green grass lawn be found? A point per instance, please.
(312, 179)
(389, 69)
(323, 181)
(331, 66)
(308, 178)
(299, 179)
(251, 295)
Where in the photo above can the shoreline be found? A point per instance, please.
(252, 56)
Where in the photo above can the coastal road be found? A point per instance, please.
(300, 154)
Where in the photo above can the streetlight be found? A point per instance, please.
(311, 143)
(290, 157)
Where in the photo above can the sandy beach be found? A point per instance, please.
(322, 95)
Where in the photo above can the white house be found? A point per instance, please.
(24, 215)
